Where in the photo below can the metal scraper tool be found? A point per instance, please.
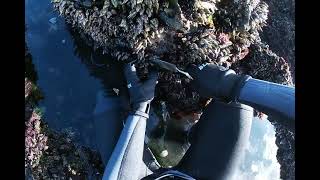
(170, 67)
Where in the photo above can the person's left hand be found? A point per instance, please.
(141, 92)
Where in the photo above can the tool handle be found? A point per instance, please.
(165, 65)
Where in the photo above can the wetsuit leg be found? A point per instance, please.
(218, 141)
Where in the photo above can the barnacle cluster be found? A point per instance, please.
(124, 28)
(243, 15)
(280, 32)
(264, 64)
(35, 140)
(183, 33)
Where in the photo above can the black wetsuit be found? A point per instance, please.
(217, 140)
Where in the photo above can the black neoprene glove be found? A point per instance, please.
(214, 81)
(141, 92)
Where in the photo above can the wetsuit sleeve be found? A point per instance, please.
(275, 100)
(125, 160)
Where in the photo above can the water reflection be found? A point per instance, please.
(260, 160)
(68, 88)
(101, 66)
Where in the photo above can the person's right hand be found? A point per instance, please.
(211, 81)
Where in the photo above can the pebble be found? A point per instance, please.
(164, 153)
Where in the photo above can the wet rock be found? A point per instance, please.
(285, 140)
(262, 63)
(280, 32)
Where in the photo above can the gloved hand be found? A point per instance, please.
(211, 81)
(141, 93)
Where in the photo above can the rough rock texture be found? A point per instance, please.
(280, 32)
(262, 63)
(142, 30)
(285, 140)
(63, 160)
(35, 140)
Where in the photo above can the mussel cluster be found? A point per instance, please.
(123, 28)
(264, 64)
(182, 33)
